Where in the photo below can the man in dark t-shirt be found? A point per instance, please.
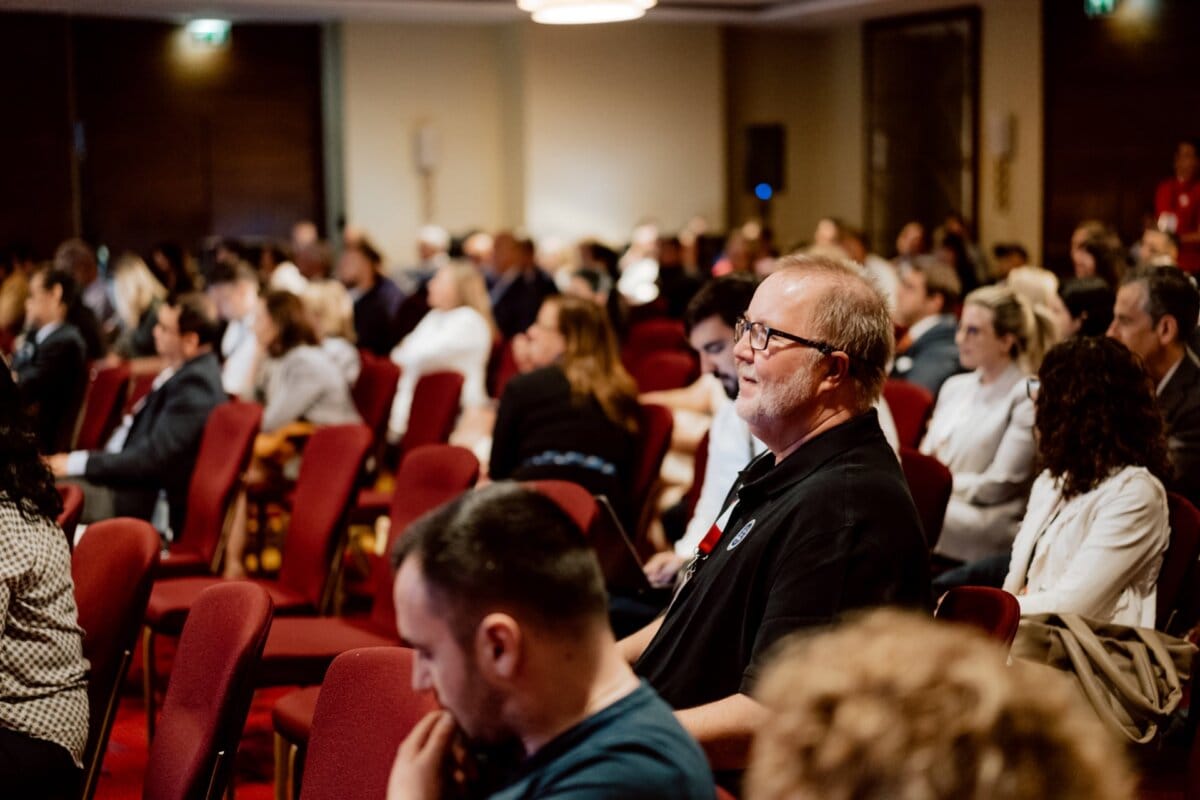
(821, 524)
(503, 602)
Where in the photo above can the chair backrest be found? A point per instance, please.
(699, 467)
(375, 390)
(653, 334)
(911, 406)
(208, 697)
(139, 387)
(68, 518)
(654, 435)
(365, 710)
(428, 476)
(434, 409)
(661, 370)
(502, 367)
(1179, 568)
(113, 569)
(576, 501)
(224, 453)
(102, 408)
(930, 483)
(325, 489)
(994, 611)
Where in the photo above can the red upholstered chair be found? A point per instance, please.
(435, 405)
(911, 406)
(300, 649)
(347, 758)
(224, 454)
(375, 390)
(139, 387)
(209, 696)
(112, 570)
(655, 439)
(102, 408)
(994, 611)
(665, 369)
(68, 518)
(930, 483)
(311, 552)
(724, 794)
(575, 500)
(650, 335)
(502, 367)
(1179, 567)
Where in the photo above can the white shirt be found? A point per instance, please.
(458, 340)
(77, 459)
(984, 436)
(1097, 554)
(239, 347)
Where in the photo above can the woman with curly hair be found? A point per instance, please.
(1095, 531)
(43, 678)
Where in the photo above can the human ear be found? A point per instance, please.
(1167, 328)
(498, 646)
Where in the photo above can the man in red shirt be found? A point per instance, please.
(1177, 205)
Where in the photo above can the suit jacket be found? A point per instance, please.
(517, 307)
(52, 378)
(160, 450)
(1180, 407)
(375, 317)
(931, 359)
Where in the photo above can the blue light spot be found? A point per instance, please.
(764, 191)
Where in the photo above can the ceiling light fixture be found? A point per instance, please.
(209, 32)
(585, 12)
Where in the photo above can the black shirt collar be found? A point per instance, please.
(763, 478)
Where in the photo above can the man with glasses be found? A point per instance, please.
(819, 525)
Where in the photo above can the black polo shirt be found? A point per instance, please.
(831, 529)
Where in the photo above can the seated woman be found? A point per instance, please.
(982, 426)
(1094, 535)
(43, 676)
(1083, 307)
(455, 336)
(331, 313)
(575, 416)
(137, 294)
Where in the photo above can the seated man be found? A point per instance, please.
(925, 300)
(821, 524)
(233, 289)
(503, 602)
(1155, 317)
(156, 448)
(51, 363)
(377, 299)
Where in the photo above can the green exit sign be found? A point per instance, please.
(1098, 8)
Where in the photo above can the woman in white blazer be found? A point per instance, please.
(982, 426)
(455, 336)
(1094, 536)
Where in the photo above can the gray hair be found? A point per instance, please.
(853, 317)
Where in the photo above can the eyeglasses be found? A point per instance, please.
(760, 337)
(1032, 387)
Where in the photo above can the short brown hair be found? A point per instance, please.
(895, 706)
(940, 278)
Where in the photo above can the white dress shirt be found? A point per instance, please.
(984, 434)
(1097, 554)
(239, 348)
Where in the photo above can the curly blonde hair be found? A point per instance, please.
(896, 706)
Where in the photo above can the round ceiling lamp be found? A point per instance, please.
(585, 12)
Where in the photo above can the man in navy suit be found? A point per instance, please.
(155, 448)
(50, 366)
(928, 292)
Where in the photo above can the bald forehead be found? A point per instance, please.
(790, 295)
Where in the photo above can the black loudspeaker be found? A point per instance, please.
(765, 156)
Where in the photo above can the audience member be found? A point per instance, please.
(1177, 205)
(1007, 256)
(595, 285)
(857, 247)
(575, 415)
(911, 241)
(43, 676)
(331, 314)
(952, 249)
(519, 286)
(797, 544)
(155, 448)
(376, 297)
(233, 288)
(456, 335)
(896, 707)
(314, 261)
(433, 246)
(50, 364)
(1099, 254)
(1083, 307)
(1096, 528)
(477, 248)
(926, 298)
(1158, 248)
(14, 290)
(298, 381)
(676, 283)
(1155, 317)
(173, 268)
(137, 295)
(982, 426)
(1036, 285)
(77, 257)
(279, 272)
(504, 604)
